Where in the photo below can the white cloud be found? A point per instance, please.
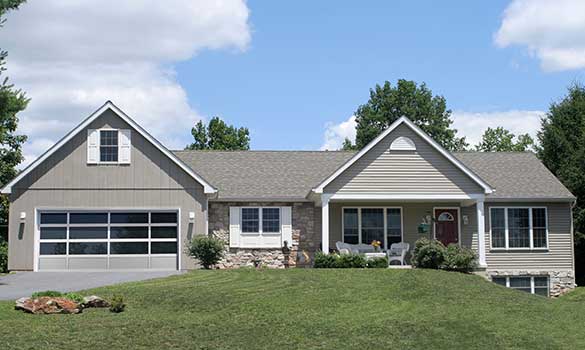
(72, 56)
(473, 124)
(553, 31)
(335, 134)
(469, 124)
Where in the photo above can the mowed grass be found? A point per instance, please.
(309, 309)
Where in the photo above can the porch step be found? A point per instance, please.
(400, 267)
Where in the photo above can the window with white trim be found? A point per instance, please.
(531, 284)
(364, 225)
(261, 220)
(108, 146)
(260, 227)
(518, 227)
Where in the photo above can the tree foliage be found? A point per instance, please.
(502, 140)
(562, 150)
(387, 103)
(12, 101)
(219, 136)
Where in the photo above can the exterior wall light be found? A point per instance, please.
(191, 216)
(22, 216)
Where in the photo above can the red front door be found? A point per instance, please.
(447, 226)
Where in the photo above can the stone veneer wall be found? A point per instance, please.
(305, 241)
(560, 282)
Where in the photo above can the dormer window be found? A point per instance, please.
(108, 146)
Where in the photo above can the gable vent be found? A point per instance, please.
(402, 143)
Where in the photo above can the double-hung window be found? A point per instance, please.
(365, 225)
(261, 220)
(260, 227)
(518, 228)
(108, 145)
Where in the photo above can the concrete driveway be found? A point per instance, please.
(22, 284)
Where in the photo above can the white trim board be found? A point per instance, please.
(207, 187)
(402, 197)
(403, 120)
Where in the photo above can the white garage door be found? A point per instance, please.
(108, 240)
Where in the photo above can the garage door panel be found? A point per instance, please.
(128, 262)
(53, 263)
(163, 262)
(88, 263)
(100, 240)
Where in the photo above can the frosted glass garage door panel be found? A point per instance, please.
(163, 262)
(88, 263)
(128, 263)
(59, 263)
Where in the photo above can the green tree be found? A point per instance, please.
(387, 103)
(12, 101)
(562, 150)
(219, 136)
(502, 140)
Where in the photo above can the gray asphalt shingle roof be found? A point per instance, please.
(514, 174)
(290, 175)
(285, 175)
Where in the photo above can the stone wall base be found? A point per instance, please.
(273, 258)
(560, 281)
(270, 258)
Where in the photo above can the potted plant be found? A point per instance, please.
(376, 245)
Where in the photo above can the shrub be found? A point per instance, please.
(377, 263)
(3, 255)
(351, 261)
(74, 297)
(459, 259)
(47, 293)
(207, 249)
(428, 254)
(117, 304)
(324, 261)
(336, 261)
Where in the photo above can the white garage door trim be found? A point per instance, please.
(105, 256)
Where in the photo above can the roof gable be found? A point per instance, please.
(405, 121)
(119, 113)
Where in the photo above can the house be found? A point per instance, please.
(109, 196)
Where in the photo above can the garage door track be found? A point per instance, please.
(22, 284)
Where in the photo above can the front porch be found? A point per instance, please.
(361, 221)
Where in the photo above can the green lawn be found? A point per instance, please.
(310, 308)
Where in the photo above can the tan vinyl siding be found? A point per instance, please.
(560, 252)
(422, 171)
(66, 181)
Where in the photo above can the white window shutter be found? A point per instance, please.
(124, 146)
(234, 226)
(93, 146)
(286, 219)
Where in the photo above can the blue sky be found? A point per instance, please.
(309, 65)
(291, 71)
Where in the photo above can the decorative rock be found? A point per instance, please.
(94, 301)
(48, 305)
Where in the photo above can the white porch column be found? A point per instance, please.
(325, 222)
(481, 232)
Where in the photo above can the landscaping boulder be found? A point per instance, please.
(94, 301)
(48, 305)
